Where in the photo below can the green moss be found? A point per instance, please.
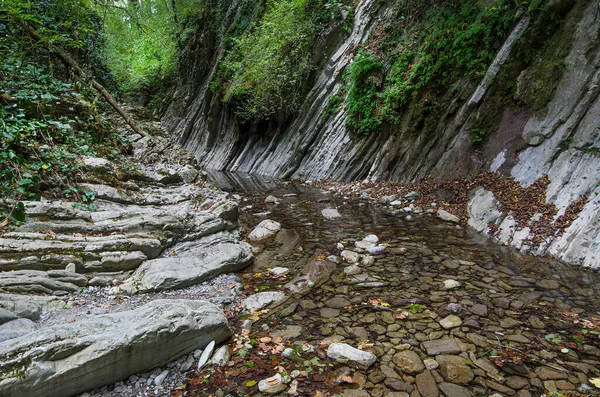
(450, 42)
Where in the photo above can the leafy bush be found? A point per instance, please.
(264, 73)
(453, 40)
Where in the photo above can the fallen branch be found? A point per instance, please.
(70, 61)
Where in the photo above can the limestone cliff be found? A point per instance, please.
(547, 124)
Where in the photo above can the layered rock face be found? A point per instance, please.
(559, 140)
(156, 228)
(68, 359)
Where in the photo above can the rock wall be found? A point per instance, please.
(560, 140)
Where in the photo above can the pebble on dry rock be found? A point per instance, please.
(450, 321)
(264, 230)
(331, 213)
(451, 284)
(448, 217)
(350, 256)
(261, 300)
(272, 385)
(345, 353)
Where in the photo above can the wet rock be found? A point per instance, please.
(99, 350)
(409, 362)
(479, 310)
(328, 312)
(344, 353)
(441, 346)
(272, 385)
(454, 369)
(264, 230)
(450, 322)
(452, 390)
(426, 385)
(352, 270)
(261, 300)
(448, 217)
(331, 213)
(337, 303)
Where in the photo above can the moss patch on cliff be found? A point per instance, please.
(450, 41)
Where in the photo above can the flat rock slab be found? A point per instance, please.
(68, 359)
(441, 346)
(25, 281)
(179, 272)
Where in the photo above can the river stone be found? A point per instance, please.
(441, 346)
(371, 238)
(331, 213)
(376, 250)
(271, 200)
(450, 321)
(272, 385)
(545, 373)
(479, 310)
(180, 271)
(448, 217)
(261, 300)
(337, 302)
(71, 358)
(344, 353)
(452, 390)
(208, 350)
(16, 328)
(350, 256)
(264, 230)
(426, 385)
(454, 369)
(451, 284)
(221, 356)
(409, 362)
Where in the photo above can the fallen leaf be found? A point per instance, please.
(272, 382)
(595, 382)
(347, 379)
(250, 383)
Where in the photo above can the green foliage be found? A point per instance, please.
(264, 73)
(334, 104)
(47, 121)
(364, 83)
(454, 40)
